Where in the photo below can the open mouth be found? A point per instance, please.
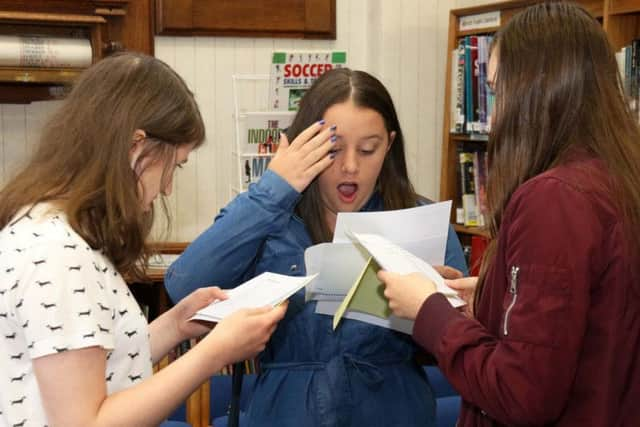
(347, 191)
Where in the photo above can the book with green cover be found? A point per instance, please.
(366, 295)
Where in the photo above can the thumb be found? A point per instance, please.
(279, 311)
(464, 284)
(215, 293)
(384, 276)
(258, 311)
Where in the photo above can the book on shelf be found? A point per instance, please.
(293, 72)
(471, 99)
(44, 52)
(467, 190)
(480, 184)
(628, 59)
(457, 89)
(473, 191)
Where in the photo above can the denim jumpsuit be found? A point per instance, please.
(358, 375)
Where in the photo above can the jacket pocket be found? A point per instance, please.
(536, 304)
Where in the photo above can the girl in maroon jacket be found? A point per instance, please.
(556, 335)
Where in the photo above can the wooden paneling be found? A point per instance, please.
(249, 18)
(623, 6)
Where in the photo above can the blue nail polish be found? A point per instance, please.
(333, 138)
(333, 127)
(332, 155)
(321, 122)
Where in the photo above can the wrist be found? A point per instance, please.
(215, 353)
(172, 326)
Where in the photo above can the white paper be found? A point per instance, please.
(392, 257)
(422, 230)
(267, 289)
(392, 322)
(338, 265)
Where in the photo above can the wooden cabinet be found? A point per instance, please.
(620, 20)
(310, 19)
(109, 25)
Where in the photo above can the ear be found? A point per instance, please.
(137, 143)
(138, 136)
(392, 137)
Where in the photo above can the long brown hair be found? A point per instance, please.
(558, 88)
(82, 161)
(334, 87)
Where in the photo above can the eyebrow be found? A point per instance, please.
(376, 137)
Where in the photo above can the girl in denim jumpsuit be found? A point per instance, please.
(346, 154)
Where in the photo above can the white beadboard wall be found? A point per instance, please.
(402, 42)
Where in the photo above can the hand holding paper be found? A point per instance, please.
(263, 290)
(407, 292)
(392, 257)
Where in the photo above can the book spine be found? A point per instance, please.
(468, 85)
(460, 89)
(633, 84)
(468, 190)
(482, 83)
(475, 72)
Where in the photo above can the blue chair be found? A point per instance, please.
(177, 418)
(172, 423)
(447, 399)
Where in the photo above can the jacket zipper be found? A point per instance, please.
(513, 290)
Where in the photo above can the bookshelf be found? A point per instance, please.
(621, 22)
(107, 25)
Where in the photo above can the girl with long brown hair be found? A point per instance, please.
(556, 334)
(346, 155)
(77, 350)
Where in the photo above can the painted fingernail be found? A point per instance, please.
(321, 122)
(332, 155)
(333, 138)
(333, 127)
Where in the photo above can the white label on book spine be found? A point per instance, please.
(479, 21)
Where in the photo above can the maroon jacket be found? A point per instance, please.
(557, 335)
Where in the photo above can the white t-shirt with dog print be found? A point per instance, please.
(57, 294)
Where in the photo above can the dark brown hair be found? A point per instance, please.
(558, 89)
(82, 161)
(334, 87)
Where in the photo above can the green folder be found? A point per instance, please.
(366, 295)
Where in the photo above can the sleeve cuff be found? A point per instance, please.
(434, 317)
(278, 189)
